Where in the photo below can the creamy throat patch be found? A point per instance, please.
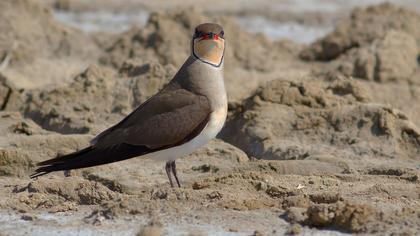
(209, 50)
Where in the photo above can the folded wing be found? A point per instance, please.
(170, 118)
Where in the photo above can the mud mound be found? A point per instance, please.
(33, 32)
(348, 216)
(14, 124)
(146, 78)
(53, 195)
(167, 37)
(36, 50)
(5, 91)
(362, 28)
(70, 109)
(25, 126)
(341, 215)
(95, 99)
(378, 43)
(79, 190)
(21, 161)
(10, 96)
(13, 162)
(344, 215)
(391, 58)
(24, 143)
(296, 120)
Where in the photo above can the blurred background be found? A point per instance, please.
(302, 21)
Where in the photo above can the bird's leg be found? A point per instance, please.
(173, 165)
(168, 172)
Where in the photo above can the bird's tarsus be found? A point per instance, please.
(171, 167)
(168, 172)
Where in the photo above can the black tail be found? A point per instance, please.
(90, 156)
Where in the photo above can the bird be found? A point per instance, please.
(186, 114)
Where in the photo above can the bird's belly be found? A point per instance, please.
(213, 127)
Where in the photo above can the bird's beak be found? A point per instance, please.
(210, 36)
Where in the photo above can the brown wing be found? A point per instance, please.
(167, 119)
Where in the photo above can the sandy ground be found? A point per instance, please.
(321, 138)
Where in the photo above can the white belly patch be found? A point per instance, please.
(213, 127)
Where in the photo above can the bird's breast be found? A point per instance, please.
(216, 122)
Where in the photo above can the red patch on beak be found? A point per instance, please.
(216, 36)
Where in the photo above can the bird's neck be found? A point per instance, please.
(205, 79)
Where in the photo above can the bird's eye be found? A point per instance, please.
(198, 34)
(222, 33)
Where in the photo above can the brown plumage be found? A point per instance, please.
(176, 115)
(147, 129)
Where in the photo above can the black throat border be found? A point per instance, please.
(214, 65)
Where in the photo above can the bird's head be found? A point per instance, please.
(208, 44)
